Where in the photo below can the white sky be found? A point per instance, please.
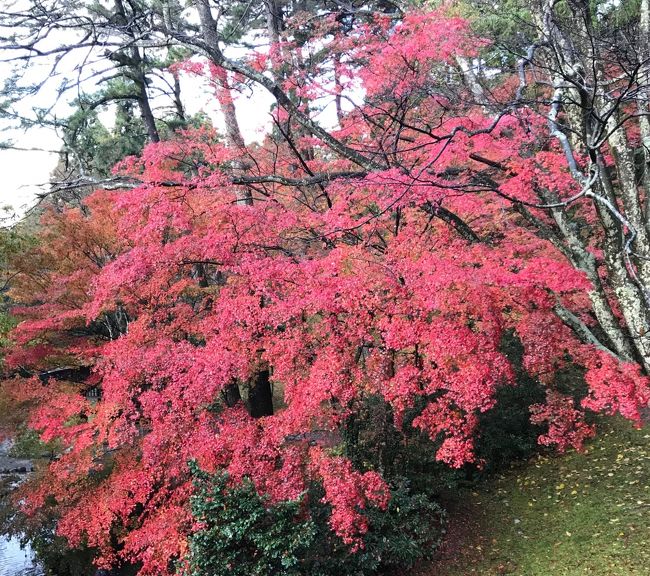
(23, 172)
(26, 173)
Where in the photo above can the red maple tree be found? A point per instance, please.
(227, 327)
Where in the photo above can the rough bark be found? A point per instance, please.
(594, 118)
(273, 20)
(136, 71)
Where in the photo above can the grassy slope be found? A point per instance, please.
(580, 513)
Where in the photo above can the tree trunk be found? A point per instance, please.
(260, 395)
(231, 394)
(594, 118)
(178, 103)
(145, 111)
(234, 138)
(644, 101)
(273, 21)
(136, 71)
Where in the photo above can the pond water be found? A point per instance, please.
(17, 561)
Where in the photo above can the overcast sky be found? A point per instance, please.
(23, 172)
(26, 172)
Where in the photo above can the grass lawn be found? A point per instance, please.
(569, 515)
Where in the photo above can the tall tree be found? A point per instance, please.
(593, 58)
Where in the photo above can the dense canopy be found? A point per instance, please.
(236, 304)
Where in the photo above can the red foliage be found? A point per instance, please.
(346, 292)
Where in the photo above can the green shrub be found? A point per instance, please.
(57, 559)
(409, 530)
(505, 433)
(243, 534)
(372, 442)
